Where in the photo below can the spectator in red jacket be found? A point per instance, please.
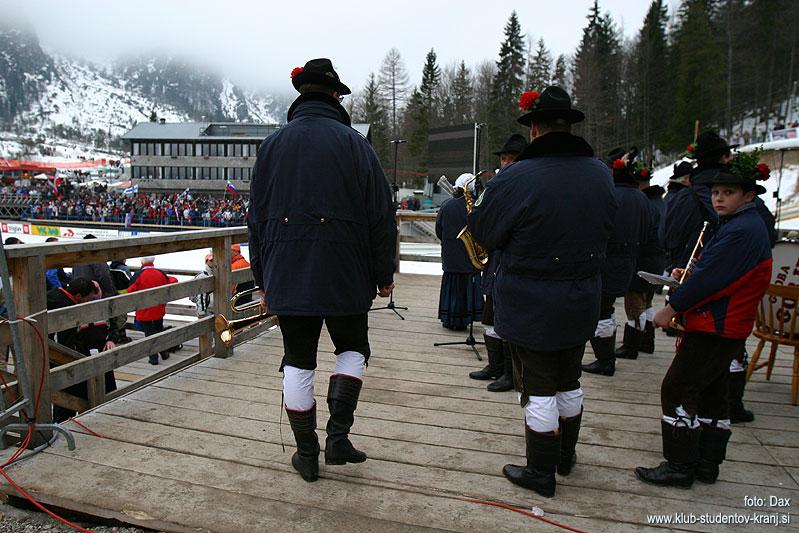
(150, 320)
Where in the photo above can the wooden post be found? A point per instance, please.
(399, 238)
(222, 293)
(30, 299)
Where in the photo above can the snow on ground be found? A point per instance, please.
(785, 184)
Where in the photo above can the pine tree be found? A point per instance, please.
(649, 80)
(561, 75)
(371, 109)
(153, 116)
(508, 84)
(417, 127)
(698, 70)
(462, 95)
(394, 85)
(429, 89)
(596, 67)
(539, 68)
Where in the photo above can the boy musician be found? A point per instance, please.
(718, 302)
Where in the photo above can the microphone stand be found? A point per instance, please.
(394, 187)
(470, 341)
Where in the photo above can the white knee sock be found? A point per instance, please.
(541, 413)
(298, 388)
(570, 403)
(350, 364)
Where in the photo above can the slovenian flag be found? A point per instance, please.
(231, 189)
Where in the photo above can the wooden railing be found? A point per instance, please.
(411, 216)
(27, 266)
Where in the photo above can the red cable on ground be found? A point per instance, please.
(23, 446)
(87, 429)
(526, 513)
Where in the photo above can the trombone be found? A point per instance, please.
(228, 329)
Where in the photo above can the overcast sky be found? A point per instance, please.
(258, 42)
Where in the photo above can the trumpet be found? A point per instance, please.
(689, 268)
(228, 329)
(478, 255)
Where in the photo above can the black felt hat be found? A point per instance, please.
(514, 145)
(318, 71)
(710, 144)
(725, 177)
(553, 103)
(681, 169)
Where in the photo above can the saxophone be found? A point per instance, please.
(477, 254)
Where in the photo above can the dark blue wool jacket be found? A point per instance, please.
(450, 221)
(651, 256)
(321, 218)
(630, 229)
(550, 213)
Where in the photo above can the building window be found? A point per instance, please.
(158, 148)
(245, 150)
(254, 149)
(137, 172)
(181, 149)
(173, 150)
(136, 149)
(247, 174)
(237, 150)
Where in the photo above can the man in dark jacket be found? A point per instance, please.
(98, 272)
(322, 240)
(500, 362)
(679, 180)
(630, 229)
(548, 283)
(639, 332)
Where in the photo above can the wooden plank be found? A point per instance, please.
(101, 249)
(420, 258)
(149, 501)
(192, 431)
(155, 376)
(75, 315)
(222, 284)
(95, 365)
(241, 275)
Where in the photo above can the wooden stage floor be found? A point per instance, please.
(200, 450)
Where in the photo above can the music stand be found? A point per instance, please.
(394, 187)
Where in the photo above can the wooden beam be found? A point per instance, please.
(404, 216)
(98, 250)
(241, 276)
(422, 258)
(75, 315)
(179, 365)
(97, 365)
(30, 300)
(62, 355)
(222, 282)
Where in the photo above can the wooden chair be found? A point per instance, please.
(776, 323)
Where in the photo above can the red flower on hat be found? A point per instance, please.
(763, 171)
(644, 172)
(618, 164)
(528, 100)
(296, 70)
(690, 148)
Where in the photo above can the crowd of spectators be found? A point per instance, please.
(67, 201)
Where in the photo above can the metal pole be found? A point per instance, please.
(777, 192)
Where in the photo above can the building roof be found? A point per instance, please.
(209, 131)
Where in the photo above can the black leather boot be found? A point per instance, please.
(629, 344)
(712, 452)
(648, 338)
(495, 365)
(342, 399)
(569, 433)
(543, 456)
(735, 389)
(681, 450)
(605, 364)
(306, 459)
(505, 381)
